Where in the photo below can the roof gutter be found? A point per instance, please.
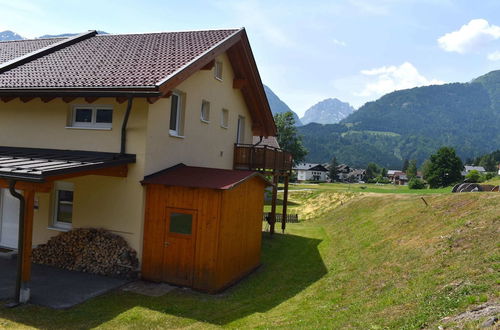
(78, 93)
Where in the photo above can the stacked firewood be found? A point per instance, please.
(89, 250)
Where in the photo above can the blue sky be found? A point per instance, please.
(306, 51)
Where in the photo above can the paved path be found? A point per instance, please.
(56, 288)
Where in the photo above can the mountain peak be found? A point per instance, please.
(278, 106)
(328, 111)
(8, 35)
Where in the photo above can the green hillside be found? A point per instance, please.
(414, 123)
(356, 261)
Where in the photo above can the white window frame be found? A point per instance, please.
(92, 124)
(240, 131)
(205, 111)
(224, 118)
(179, 129)
(58, 186)
(218, 70)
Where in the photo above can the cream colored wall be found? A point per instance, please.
(203, 144)
(117, 204)
(99, 201)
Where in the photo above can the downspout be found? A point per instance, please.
(260, 141)
(123, 143)
(22, 292)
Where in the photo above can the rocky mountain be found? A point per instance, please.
(278, 106)
(9, 36)
(412, 124)
(329, 111)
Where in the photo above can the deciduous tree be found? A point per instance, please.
(288, 138)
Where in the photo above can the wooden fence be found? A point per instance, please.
(290, 218)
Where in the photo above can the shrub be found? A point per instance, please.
(416, 183)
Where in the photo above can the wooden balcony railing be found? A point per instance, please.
(261, 158)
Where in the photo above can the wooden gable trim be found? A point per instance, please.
(184, 73)
(247, 79)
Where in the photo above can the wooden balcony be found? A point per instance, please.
(262, 158)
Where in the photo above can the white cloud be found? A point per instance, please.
(470, 37)
(495, 56)
(387, 79)
(339, 42)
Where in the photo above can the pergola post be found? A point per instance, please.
(27, 242)
(272, 220)
(285, 203)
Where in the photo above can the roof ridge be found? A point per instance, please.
(163, 32)
(45, 50)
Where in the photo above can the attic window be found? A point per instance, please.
(218, 70)
(92, 117)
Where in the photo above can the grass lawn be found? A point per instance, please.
(369, 187)
(357, 261)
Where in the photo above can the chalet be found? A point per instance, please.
(311, 172)
(468, 168)
(148, 136)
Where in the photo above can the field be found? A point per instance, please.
(367, 258)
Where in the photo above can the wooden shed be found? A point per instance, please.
(203, 226)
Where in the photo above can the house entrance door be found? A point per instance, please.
(179, 246)
(9, 219)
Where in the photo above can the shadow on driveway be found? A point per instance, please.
(56, 288)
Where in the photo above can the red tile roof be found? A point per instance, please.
(9, 50)
(201, 177)
(131, 60)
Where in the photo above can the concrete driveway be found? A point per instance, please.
(56, 288)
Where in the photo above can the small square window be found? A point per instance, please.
(83, 116)
(224, 121)
(218, 70)
(205, 111)
(181, 223)
(104, 116)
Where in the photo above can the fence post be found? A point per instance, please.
(273, 204)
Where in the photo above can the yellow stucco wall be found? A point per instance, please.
(117, 204)
(203, 144)
(103, 202)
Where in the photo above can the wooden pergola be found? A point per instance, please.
(35, 171)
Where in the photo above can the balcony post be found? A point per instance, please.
(285, 202)
(272, 220)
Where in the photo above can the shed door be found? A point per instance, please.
(179, 246)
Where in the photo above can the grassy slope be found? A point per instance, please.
(372, 260)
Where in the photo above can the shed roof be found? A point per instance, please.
(182, 175)
(36, 165)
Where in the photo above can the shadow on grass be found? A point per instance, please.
(289, 265)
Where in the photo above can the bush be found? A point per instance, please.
(416, 183)
(473, 176)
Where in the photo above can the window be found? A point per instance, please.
(63, 205)
(218, 70)
(240, 134)
(205, 111)
(96, 117)
(224, 120)
(181, 223)
(176, 115)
